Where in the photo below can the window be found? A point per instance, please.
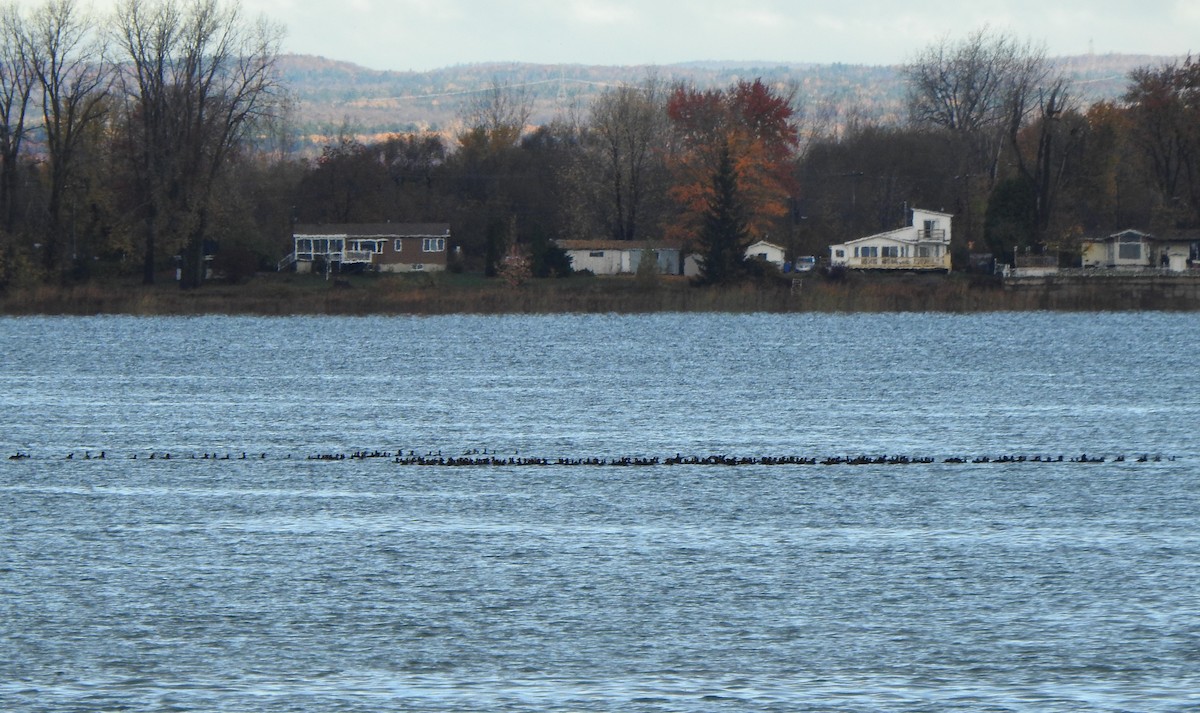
(891, 251)
(1129, 251)
(923, 251)
(397, 245)
(867, 251)
(596, 253)
(433, 245)
(839, 253)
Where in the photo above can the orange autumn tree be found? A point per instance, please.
(753, 125)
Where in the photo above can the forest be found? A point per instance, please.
(164, 138)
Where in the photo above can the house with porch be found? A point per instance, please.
(1135, 250)
(620, 257)
(385, 247)
(924, 244)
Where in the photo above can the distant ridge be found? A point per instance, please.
(372, 103)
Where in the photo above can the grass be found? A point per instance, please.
(446, 293)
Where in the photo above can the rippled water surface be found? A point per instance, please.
(281, 583)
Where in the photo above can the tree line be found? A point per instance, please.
(145, 141)
(121, 137)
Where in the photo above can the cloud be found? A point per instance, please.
(756, 19)
(425, 34)
(596, 12)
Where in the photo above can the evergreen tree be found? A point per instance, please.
(724, 236)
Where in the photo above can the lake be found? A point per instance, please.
(263, 566)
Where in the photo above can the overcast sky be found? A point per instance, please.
(427, 34)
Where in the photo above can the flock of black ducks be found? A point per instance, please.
(484, 457)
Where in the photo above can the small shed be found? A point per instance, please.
(620, 257)
(766, 251)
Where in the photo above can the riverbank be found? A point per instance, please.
(445, 293)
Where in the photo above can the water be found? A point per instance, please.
(279, 583)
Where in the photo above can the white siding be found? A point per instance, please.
(767, 251)
(599, 262)
(609, 261)
(924, 245)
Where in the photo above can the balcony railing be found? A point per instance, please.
(357, 256)
(938, 234)
(898, 263)
(332, 256)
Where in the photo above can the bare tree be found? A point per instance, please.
(1046, 166)
(494, 121)
(73, 76)
(979, 88)
(198, 77)
(1165, 105)
(16, 88)
(496, 116)
(629, 131)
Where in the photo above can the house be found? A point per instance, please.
(759, 250)
(386, 247)
(1135, 250)
(768, 252)
(924, 244)
(619, 257)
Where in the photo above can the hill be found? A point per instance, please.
(371, 103)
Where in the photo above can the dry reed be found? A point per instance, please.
(275, 294)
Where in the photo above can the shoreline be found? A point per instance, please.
(279, 294)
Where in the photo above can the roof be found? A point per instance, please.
(933, 212)
(766, 243)
(899, 235)
(615, 245)
(373, 230)
(1179, 237)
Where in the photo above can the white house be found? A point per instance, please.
(769, 252)
(1135, 250)
(619, 257)
(760, 250)
(922, 245)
